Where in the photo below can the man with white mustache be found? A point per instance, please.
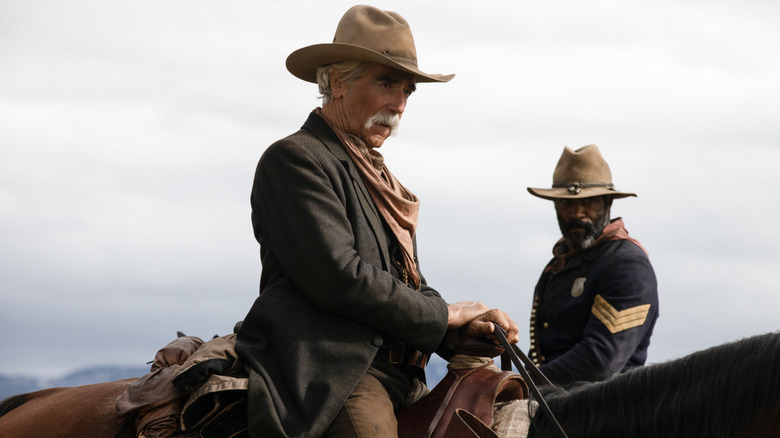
(339, 337)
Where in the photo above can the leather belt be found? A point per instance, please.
(402, 355)
(395, 356)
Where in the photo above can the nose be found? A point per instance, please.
(398, 102)
(578, 210)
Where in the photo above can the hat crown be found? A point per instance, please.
(583, 166)
(384, 32)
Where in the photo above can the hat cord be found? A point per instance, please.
(576, 188)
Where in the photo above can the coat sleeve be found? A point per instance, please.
(622, 318)
(303, 207)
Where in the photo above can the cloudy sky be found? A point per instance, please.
(129, 133)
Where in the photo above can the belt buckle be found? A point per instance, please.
(396, 355)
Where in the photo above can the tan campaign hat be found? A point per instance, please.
(580, 174)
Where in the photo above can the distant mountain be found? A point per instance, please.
(12, 385)
(17, 385)
(99, 374)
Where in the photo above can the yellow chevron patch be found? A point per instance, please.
(619, 320)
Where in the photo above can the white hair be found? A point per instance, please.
(350, 71)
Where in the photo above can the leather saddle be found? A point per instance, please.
(464, 397)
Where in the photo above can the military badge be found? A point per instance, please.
(578, 287)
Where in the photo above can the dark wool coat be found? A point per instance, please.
(595, 316)
(328, 299)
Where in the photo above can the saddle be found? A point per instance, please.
(461, 404)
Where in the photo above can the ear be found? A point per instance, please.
(337, 86)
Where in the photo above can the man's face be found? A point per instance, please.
(582, 220)
(373, 104)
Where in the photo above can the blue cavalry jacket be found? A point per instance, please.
(595, 316)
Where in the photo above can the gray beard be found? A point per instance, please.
(593, 232)
(584, 243)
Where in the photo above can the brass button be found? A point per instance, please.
(546, 325)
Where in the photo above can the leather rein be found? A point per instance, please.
(516, 355)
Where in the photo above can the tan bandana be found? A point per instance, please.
(398, 206)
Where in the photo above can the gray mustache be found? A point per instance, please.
(391, 120)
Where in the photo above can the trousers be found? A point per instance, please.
(370, 409)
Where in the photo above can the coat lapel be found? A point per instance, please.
(320, 129)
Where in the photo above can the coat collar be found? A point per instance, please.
(320, 129)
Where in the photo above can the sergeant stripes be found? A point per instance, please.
(619, 320)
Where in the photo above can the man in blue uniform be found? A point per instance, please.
(596, 301)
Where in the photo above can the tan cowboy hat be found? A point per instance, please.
(580, 174)
(364, 33)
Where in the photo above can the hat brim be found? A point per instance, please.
(585, 192)
(303, 63)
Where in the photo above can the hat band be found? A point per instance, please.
(576, 188)
(401, 59)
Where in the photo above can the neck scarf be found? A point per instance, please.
(397, 205)
(616, 230)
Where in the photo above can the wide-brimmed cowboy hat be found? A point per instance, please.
(364, 33)
(580, 174)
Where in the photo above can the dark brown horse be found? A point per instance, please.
(732, 390)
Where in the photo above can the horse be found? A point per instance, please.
(81, 411)
(732, 390)
(729, 391)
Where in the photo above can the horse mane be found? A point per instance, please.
(716, 392)
(13, 402)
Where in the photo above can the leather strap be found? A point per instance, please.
(464, 424)
(448, 397)
(122, 427)
(516, 355)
